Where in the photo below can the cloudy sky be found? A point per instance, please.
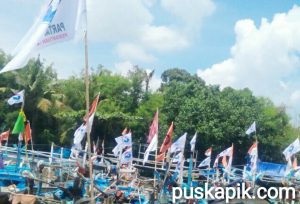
(238, 43)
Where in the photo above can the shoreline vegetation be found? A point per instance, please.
(55, 108)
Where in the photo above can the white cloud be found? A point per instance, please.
(155, 82)
(265, 59)
(162, 38)
(130, 24)
(190, 12)
(117, 21)
(123, 67)
(133, 52)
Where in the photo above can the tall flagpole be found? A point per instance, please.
(87, 101)
(19, 139)
(155, 164)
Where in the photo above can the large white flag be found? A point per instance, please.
(57, 22)
(205, 162)
(193, 142)
(251, 129)
(292, 149)
(17, 98)
(179, 144)
(152, 147)
(127, 156)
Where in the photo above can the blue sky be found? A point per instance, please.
(224, 42)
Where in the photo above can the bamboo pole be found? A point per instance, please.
(87, 100)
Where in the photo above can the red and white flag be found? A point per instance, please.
(208, 152)
(295, 163)
(168, 140)
(153, 128)
(92, 111)
(4, 136)
(125, 131)
(227, 152)
(253, 154)
(27, 133)
(80, 132)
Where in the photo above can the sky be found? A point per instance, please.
(237, 43)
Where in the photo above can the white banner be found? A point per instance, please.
(57, 23)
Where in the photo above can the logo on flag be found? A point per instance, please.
(52, 8)
(17, 98)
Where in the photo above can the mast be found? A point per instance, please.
(155, 164)
(87, 101)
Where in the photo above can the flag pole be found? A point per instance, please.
(155, 164)
(86, 80)
(19, 139)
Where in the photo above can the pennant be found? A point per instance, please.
(193, 142)
(167, 141)
(125, 131)
(179, 144)
(205, 162)
(295, 163)
(80, 132)
(58, 22)
(92, 112)
(160, 157)
(126, 156)
(152, 147)
(27, 132)
(208, 152)
(4, 136)
(153, 128)
(19, 125)
(227, 152)
(292, 149)
(17, 98)
(251, 129)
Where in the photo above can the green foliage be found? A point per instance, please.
(221, 117)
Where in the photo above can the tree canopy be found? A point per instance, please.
(56, 107)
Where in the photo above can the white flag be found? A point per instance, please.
(205, 162)
(152, 147)
(292, 149)
(226, 152)
(79, 134)
(178, 158)
(57, 23)
(126, 156)
(193, 142)
(127, 140)
(179, 144)
(17, 98)
(117, 150)
(251, 129)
